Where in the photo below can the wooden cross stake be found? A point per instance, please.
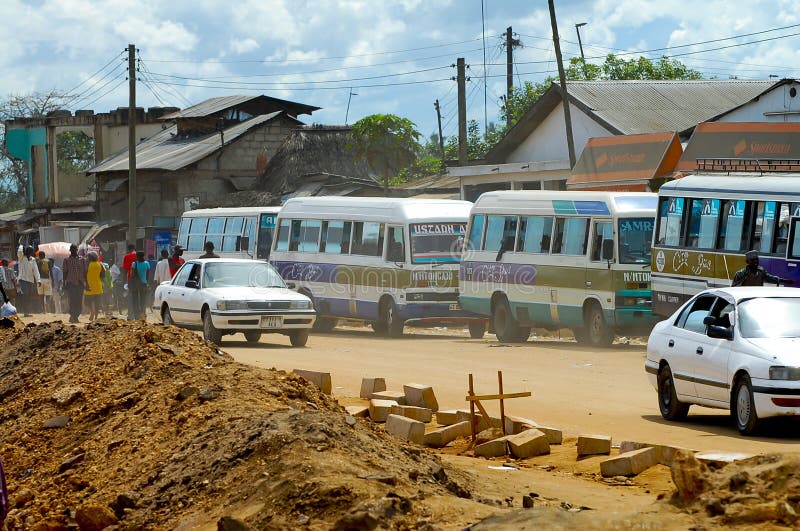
(475, 401)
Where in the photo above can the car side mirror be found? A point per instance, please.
(719, 332)
(709, 320)
(291, 285)
(192, 284)
(607, 250)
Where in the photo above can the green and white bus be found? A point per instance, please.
(244, 232)
(554, 259)
(387, 261)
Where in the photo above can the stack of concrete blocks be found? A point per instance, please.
(405, 428)
(416, 401)
(527, 443)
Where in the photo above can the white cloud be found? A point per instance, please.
(240, 46)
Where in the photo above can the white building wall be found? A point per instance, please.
(775, 106)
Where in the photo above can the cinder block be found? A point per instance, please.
(421, 414)
(441, 437)
(357, 411)
(447, 418)
(494, 448)
(554, 435)
(664, 454)
(320, 379)
(629, 463)
(370, 386)
(421, 396)
(397, 396)
(594, 445)
(405, 428)
(518, 424)
(379, 409)
(528, 443)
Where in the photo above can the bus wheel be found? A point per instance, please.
(598, 334)
(324, 324)
(476, 329)
(390, 320)
(506, 327)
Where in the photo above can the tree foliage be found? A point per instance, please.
(74, 151)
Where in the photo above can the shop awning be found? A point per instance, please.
(625, 162)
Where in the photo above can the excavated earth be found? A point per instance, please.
(129, 425)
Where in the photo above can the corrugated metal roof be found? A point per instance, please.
(654, 106)
(212, 106)
(163, 151)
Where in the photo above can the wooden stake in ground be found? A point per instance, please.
(475, 401)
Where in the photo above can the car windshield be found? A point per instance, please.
(769, 317)
(241, 274)
(635, 238)
(437, 242)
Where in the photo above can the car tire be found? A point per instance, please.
(166, 317)
(252, 336)
(210, 332)
(506, 328)
(743, 407)
(324, 324)
(477, 329)
(597, 331)
(669, 405)
(299, 337)
(391, 323)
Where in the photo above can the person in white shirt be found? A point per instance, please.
(162, 273)
(28, 279)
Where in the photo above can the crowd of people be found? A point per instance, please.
(84, 283)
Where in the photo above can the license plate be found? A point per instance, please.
(270, 321)
(455, 306)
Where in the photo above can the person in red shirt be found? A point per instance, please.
(127, 260)
(175, 261)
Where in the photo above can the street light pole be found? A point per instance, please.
(580, 44)
(347, 113)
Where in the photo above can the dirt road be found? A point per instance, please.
(574, 388)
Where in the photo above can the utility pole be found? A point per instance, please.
(132, 144)
(439, 119)
(462, 112)
(563, 79)
(580, 45)
(509, 72)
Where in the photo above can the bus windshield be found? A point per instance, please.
(437, 242)
(635, 238)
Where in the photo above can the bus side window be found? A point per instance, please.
(534, 234)
(571, 236)
(309, 236)
(500, 233)
(294, 234)
(602, 232)
(282, 241)
(476, 233)
(183, 239)
(670, 217)
(197, 234)
(732, 235)
(368, 239)
(794, 239)
(396, 249)
(695, 217)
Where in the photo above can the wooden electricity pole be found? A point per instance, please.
(132, 144)
(563, 79)
(509, 72)
(439, 120)
(462, 112)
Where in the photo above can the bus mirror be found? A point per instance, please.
(607, 250)
(244, 243)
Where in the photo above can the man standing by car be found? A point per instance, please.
(175, 261)
(754, 275)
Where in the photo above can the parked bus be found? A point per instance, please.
(386, 261)
(235, 232)
(706, 222)
(578, 260)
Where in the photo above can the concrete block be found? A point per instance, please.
(421, 396)
(441, 437)
(494, 448)
(405, 428)
(518, 424)
(447, 418)
(320, 379)
(379, 409)
(357, 411)
(421, 414)
(370, 386)
(397, 396)
(594, 445)
(528, 443)
(665, 455)
(554, 435)
(629, 464)
(483, 424)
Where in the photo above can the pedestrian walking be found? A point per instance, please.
(74, 269)
(162, 273)
(209, 251)
(137, 285)
(127, 261)
(28, 280)
(45, 289)
(94, 283)
(108, 289)
(58, 285)
(9, 281)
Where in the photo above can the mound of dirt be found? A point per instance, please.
(149, 427)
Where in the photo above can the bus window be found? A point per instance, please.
(794, 248)
(709, 219)
(635, 239)
(184, 232)
(335, 237)
(283, 235)
(309, 237)
(396, 248)
(216, 227)
(294, 234)
(197, 234)
(367, 239)
(571, 236)
(499, 230)
(670, 216)
(695, 213)
(764, 232)
(732, 236)
(266, 231)
(535, 234)
(233, 233)
(436, 242)
(602, 232)
(476, 232)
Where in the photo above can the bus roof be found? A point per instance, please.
(743, 186)
(553, 202)
(376, 209)
(237, 211)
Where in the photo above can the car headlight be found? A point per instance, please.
(300, 305)
(778, 372)
(231, 305)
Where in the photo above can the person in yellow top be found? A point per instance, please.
(94, 279)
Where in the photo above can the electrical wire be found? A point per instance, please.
(106, 93)
(374, 85)
(87, 92)
(91, 93)
(67, 93)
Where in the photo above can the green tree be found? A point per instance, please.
(386, 142)
(74, 152)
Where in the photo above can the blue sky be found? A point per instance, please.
(396, 56)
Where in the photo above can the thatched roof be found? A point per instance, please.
(311, 151)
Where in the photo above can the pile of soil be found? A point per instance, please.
(146, 426)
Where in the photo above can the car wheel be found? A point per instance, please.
(299, 338)
(743, 407)
(506, 327)
(324, 324)
(252, 336)
(477, 329)
(598, 333)
(391, 323)
(166, 317)
(671, 408)
(210, 333)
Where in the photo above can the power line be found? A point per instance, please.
(119, 69)
(74, 103)
(98, 71)
(106, 93)
(375, 85)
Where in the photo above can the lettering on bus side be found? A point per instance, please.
(439, 228)
(636, 276)
(432, 276)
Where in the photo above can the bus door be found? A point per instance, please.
(598, 270)
(266, 229)
(395, 257)
(670, 260)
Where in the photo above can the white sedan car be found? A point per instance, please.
(225, 296)
(730, 348)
